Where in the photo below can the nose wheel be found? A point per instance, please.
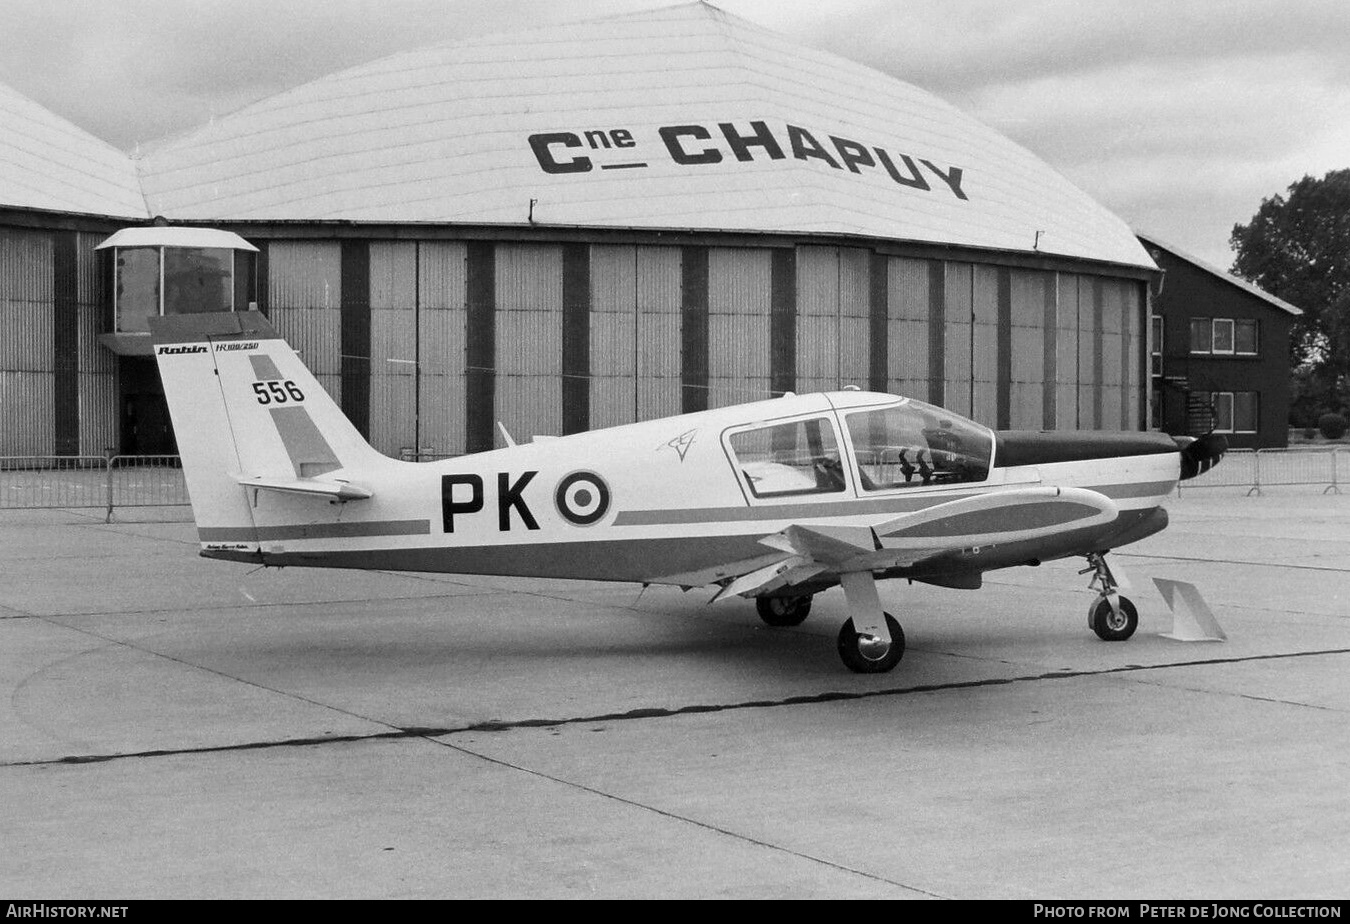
(1113, 623)
(1111, 616)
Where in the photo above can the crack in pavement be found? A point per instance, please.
(400, 732)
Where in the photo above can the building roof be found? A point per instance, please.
(49, 164)
(1213, 270)
(177, 237)
(682, 118)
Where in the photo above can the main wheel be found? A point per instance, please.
(781, 612)
(866, 657)
(1111, 626)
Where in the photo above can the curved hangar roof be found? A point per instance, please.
(683, 117)
(47, 163)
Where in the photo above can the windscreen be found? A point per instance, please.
(915, 444)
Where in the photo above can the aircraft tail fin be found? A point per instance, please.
(248, 415)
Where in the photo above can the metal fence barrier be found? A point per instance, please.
(1255, 469)
(30, 482)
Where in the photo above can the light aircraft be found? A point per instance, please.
(776, 500)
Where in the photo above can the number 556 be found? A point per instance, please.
(278, 392)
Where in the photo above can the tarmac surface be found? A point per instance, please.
(173, 727)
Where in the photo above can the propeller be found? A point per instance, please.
(1200, 455)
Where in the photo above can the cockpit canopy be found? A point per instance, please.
(913, 443)
(906, 444)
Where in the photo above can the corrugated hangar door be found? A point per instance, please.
(529, 324)
(27, 316)
(739, 286)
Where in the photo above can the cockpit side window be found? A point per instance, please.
(914, 445)
(798, 457)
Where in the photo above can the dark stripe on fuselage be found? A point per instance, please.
(648, 559)
(1032, 447)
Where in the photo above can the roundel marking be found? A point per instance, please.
(582, 498)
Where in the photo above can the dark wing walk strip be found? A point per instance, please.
(660, 712)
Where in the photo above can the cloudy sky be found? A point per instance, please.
(1180, 115)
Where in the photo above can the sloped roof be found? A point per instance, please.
(1227, 277)
(47, 163)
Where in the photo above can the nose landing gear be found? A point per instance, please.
(1111, 616)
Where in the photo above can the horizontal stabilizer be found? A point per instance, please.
(333, 490)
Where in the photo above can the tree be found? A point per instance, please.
(1297, 247)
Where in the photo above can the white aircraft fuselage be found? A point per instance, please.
(780, 498)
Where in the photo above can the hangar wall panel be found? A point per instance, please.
(97, 364)
(613, 335)
(1066, 352)
(907, 325)
(443, 270)
(393, 346)
(854, 317)
(658, 331)
(817, 347)
(27, 302)
(304, 281)
(957, 343)
(1133, 349)
(28, 413)
(984, 346)
(529, 339)
(1028, 384)
(1089, 353)
(739, 283)
(27, 311)
(1112, 339)
(832, 332)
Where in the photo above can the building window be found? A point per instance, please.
(154, 281)
(1234, 411)
(1244, 338)
(1224, 337)
(137, 291)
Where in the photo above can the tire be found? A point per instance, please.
(782, 612)
(858, 662)
(1111, 627)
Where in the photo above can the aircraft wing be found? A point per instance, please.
(812, 553)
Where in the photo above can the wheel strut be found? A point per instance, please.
(1111, 616)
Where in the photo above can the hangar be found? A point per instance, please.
(572, 227)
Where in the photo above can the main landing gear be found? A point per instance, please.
(1111, 616)
(864, 653)
(783, 612)
(870, 640)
